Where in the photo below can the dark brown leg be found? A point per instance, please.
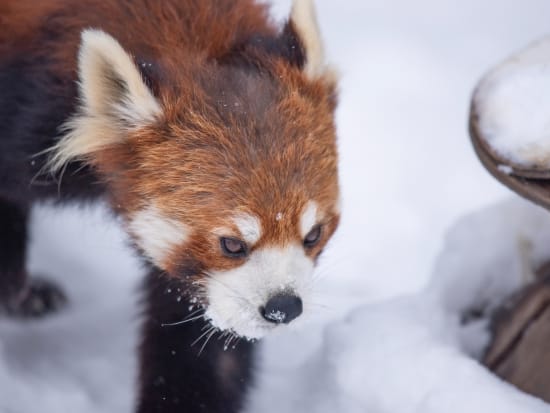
(19, 295)
(174, 376)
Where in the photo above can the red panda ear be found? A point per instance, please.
(114, 99)
(303, 23)
(110, 83)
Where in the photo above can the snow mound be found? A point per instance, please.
(417, 353)
(82, 359)
(489, 254)
(513, 104)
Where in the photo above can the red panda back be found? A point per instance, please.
(149, 27)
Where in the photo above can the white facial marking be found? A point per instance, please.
(250, 227)
(156, 234)
(235, 296)
(309, 218)
(279, 216)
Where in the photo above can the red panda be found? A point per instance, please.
(210, 132)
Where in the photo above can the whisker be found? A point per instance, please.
(190, 317)
(187, 320)
(34, 179)
(203, 335)
(206, 341)
(237, 342)
(60, 179)
(228, 341)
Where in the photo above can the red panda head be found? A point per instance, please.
(224, 170)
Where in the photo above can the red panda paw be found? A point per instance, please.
(39, 298)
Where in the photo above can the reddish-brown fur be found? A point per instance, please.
(204, 160)
(243, 129)
(202, 26)
(225, 168)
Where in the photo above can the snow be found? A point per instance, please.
(74, 361)
(506, 169)
(413, 353)
(513, 107)
(277, 316)
(387, 342)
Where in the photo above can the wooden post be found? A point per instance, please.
(520, 350)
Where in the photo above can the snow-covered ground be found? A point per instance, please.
(408, 173)
(411, 353)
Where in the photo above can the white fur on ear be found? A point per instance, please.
(114, 99)
(304, 18)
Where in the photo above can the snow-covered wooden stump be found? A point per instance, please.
(519, 352)
(510, 130)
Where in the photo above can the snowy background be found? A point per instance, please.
(385, 342)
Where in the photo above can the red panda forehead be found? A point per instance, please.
(234, 98)
(210, 176)
(246, 141)
(292, 223)
(272, 198)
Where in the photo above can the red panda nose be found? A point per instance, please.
(282, 308)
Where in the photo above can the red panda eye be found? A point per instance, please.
(233, 247)
(313, 237)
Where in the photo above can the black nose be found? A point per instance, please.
(282, 308)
